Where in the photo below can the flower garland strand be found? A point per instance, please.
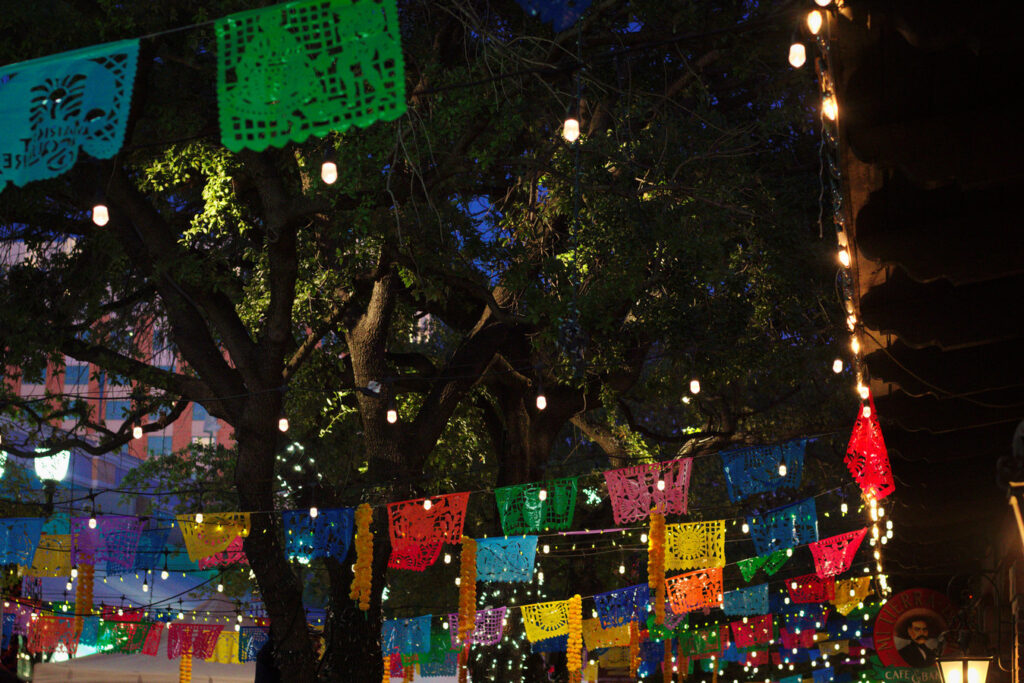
(575, 644)
(634, 649)
(185, 669)
(408, 672)
(467, 590)
(83, 595)
(362, 575)
(387, 670)
(656, 565)
(463, 663)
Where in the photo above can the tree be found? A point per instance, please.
(675, 240)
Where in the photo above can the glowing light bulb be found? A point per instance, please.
(622, 569)
(68, 586)
(694, 386)
(844, 258)
(863, 392)
(92, 522)
(282, 424)
(392, 416)
(571, 130)
(427, 504)
(542, 494)
(145, 587)
(329, 172)
(74, 572)
(745, 528)
(447, 558)
(100, 215)
(199, 518)
(164, 575)
(542, 402)
(814, 21)
(546, 549)
(822, 3)
(643, 538)
(844, 508)
(837, 365)
(661, 484)
(313, 512)
(458, 580)
(220, 587)
(136, 432)
(829, 108)
(854, 344)
(181, 616)
(797, 55)
(782, 469)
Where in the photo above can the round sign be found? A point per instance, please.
(908, 626)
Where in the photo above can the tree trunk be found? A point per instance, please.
(352, 637)
(281, 591)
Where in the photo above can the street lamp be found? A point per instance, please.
(963, 669)
(51, 469)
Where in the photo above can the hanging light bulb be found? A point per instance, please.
(92, 521)
(797, 55)
(844, 258)
(814, 21)
(661, 484)
(181, 616)
(74, 572)
(164, 575)
(863, 392)
(427, 504)
(100, 215)
(782, 469)
(822, 3)
(622, 569)
(837, 365)
(199, 518)
(844, 508)
(542, 494)
(829, 108)
(447, 558)
(866, 410)
(694, 386)
(571, 130)
(546, 548)
(136, 432)
(542, 401)
(854, 344)
(745, 528)
(68, 586)
(313, 512)
(329, 171)
(220, 587)
(145, 586)
(282, 424)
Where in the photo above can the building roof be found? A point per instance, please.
(932, 175)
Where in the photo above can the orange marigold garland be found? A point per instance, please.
(408, 672)
(185, 669)
(467, 589)
(575, 643)
(83, 594)
(362, 578)
(387, 669)
(463, 663)
(656, 565)
(634, 648)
